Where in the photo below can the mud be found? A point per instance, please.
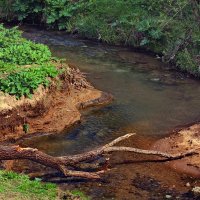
(182, 141)
(131, 176)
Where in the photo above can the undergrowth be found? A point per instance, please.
(24, 65)
(24, 83)
(165, 27)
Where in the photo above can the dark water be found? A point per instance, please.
(150, 99)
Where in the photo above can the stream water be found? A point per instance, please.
(150, 99)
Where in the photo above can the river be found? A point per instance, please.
(151, 99)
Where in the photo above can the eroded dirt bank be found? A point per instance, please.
(181, 141)
(50, 110)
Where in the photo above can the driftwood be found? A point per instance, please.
(67, 164)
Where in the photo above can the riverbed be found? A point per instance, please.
(151, 99)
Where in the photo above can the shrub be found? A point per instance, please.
(25, 53)
(24, 65)
(187, 63)
(24, 83)
(17, 50)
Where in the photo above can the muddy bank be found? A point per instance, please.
(183, 140)
(50, 110)
(132, 176)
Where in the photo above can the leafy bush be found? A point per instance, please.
(25, 53)
(10, 36)
(24, 65)
(24, 83)
(187, 62)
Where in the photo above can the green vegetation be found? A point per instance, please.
(81, 195)
(24, 83)
(24, 65)
(20, 187)
(167, 27)
(15, 186)
(17, 50)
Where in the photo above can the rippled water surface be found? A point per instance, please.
(150, 99)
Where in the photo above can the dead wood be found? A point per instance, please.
(67, 164)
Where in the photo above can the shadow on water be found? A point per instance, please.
(150, 99)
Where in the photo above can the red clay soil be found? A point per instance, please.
(182, 141)
(49, 111)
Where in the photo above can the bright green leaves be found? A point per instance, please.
(16, 50)
(25, 53)
(24, 83)
(9, 36)
(24, 65)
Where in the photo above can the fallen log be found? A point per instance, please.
(66, 164)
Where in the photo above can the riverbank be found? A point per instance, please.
(169, 29)
(186, 139)
(38, 92)
(50, 110)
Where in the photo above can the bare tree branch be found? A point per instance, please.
(66, 164)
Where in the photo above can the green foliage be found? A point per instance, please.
(24, 65)
(10, 36)
(17, 186)
(24, 83)
(187, 62)
(26, 128)
(23, 52)
(7, 67)
(79, 194)
(158, 26)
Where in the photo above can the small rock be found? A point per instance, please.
(155, 79)
(188, 184)
(168, 196)
(196, 190)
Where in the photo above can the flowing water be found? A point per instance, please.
(150, 99)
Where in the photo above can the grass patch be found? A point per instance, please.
(81, 195)
(19, 187)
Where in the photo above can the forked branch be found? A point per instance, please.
(65, 164)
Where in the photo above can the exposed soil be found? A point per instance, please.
(181, 141)
(50, 110)
(134, 176)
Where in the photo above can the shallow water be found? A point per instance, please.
(150, 99)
